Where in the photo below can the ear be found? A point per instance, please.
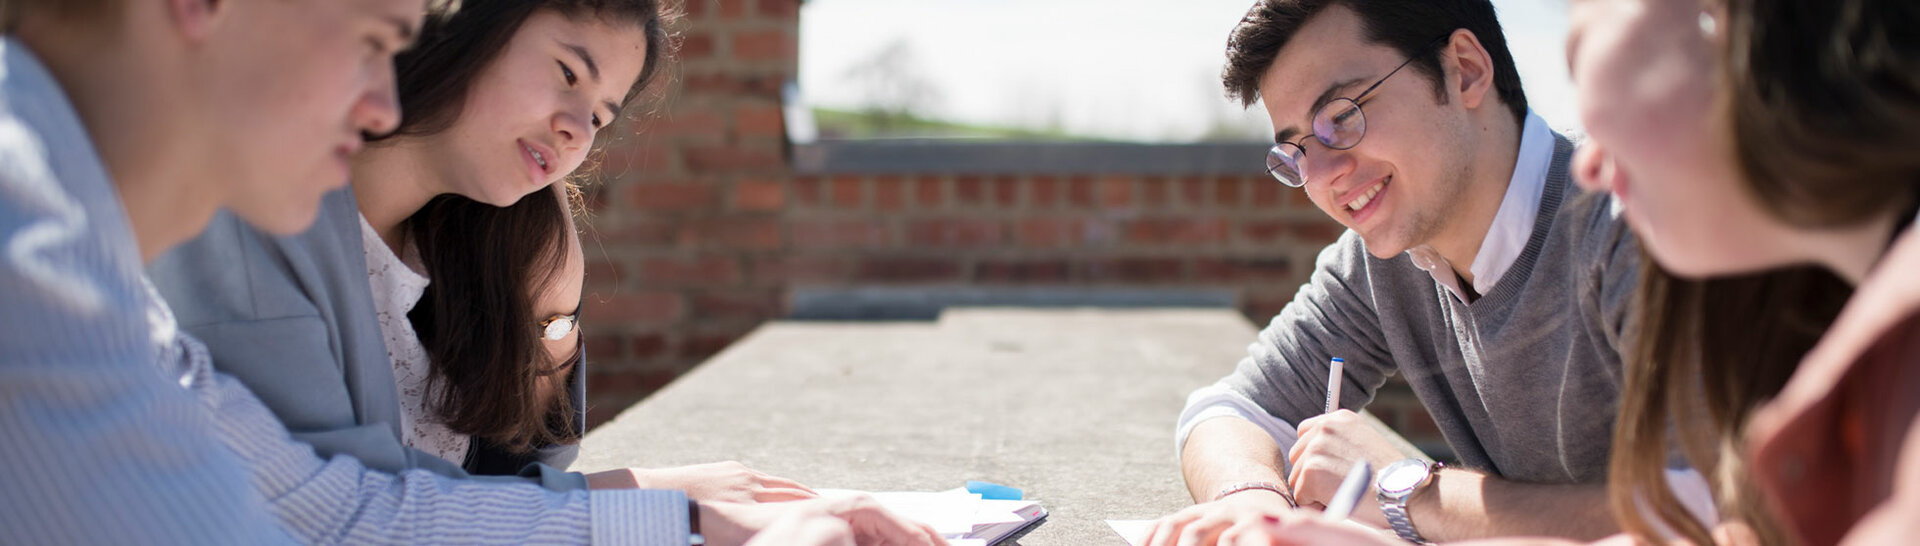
(1469, 62)
(195, 18)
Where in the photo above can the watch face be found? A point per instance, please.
(1403, 476)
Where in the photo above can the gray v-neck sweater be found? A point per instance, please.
(1523, 382)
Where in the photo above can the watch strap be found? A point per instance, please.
(1396, 512)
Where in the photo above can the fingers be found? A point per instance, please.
(873, 524)
(1204, 531)
(1167, 529)
(803, 529)
(776, 482)
(782, 495)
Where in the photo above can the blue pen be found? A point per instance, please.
(1336, 374)
(1348, 496)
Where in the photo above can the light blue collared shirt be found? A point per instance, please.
(101, 445)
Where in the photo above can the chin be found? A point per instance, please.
(1696, 266)
(290, 220)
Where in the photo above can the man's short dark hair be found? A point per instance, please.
(1404, 25)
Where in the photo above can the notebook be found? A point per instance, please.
(963, 518)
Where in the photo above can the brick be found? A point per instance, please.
(969, 190)
(733, 9)
(1182, 231)
(1242, 269)
(1265, 231)
(630, 156)
(1116, 192)
(1155, 192)
(1227, 191)
(1320, 232)
(604, 346)
(1018, 271)
(642, 231)
(889, 193)
(700, 346)
(1133, 270)
(1045, 191)
(764, 45)
(1193, 191)
(731, 233)
(848, 193)
(708, 84)
(743, 305)
(780, 9)
(671, 197)
(696, 45)
(907, 270)
(1047, 232)
(643, 307)
(1262, 307)
(647, 345)
(1006, 191)
(1270, 193)
(701, 271)
(701, 159)
(604, 273)
(1080, 191)
(929, 192)
(948, 233)
(806, 190)
(759, 120)
(697, 8)
(800, 269)
(759, 196)
(817, 234)
(684, 123)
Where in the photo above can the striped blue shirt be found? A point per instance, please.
(114, 420)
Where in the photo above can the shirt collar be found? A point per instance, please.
(1512, 223)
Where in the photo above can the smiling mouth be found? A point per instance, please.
(537, 158)
(1365, 198)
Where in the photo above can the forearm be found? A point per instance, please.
(339, 500)
(1462, 505)
(1225, 451)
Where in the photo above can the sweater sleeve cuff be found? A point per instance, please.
(641, 517)
(1218, 401)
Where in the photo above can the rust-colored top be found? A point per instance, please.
(1838, 452)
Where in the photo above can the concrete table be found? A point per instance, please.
(1076, 407)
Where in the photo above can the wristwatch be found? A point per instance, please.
(1398, 483)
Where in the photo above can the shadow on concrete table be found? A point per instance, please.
(1074, 406)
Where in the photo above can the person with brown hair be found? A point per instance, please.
(504, 98)
(1472, 267)
(1764, 149)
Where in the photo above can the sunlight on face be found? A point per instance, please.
(303, 79)
(532, 114)
(1646, 76)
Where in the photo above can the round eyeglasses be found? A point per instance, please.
(1338, 124)
(557, 327)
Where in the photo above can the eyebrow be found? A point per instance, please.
(593, 71)
(1322, 100)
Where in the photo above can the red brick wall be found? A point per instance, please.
(701, 228)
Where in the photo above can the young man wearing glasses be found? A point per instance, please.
(1471, 266)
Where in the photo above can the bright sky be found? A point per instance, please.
(1143, 70)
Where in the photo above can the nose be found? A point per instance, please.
(574, 127)
(378, 110)
(1593, 167)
